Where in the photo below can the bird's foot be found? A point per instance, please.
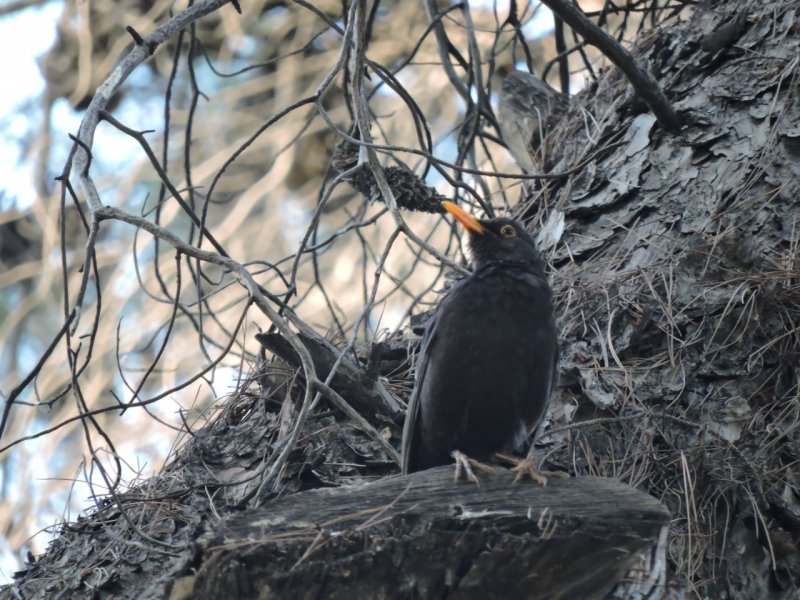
(465, 464)
(527, 466)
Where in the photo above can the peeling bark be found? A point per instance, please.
(677, 282)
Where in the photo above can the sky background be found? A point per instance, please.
(24, 36)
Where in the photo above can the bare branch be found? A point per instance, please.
(642, 81)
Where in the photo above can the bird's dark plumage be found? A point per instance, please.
(489, 354)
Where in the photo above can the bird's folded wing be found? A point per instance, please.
(412, 412)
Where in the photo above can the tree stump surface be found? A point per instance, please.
(425, 536)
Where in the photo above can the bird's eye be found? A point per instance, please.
(507, 231)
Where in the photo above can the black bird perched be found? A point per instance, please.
(489, 356)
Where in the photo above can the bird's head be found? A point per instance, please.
(496, 241)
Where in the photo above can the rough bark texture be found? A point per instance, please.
(422, 536)
(677, 284)
(679, 293)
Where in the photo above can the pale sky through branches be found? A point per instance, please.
(24, 37)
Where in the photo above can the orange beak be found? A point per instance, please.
(469, 222)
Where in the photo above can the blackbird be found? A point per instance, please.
(489, 356)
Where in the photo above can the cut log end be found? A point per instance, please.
(423, 535)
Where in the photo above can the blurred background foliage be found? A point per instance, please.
(205, 99)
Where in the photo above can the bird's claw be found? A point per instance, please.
(465, 464)
(526, 466)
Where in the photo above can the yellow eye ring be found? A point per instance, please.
(508, 231)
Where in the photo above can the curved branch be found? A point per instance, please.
(642, 81)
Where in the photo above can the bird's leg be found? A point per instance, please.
(465, 463)
(527, 466)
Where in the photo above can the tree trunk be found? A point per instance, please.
(674, 264)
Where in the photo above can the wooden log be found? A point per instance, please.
(424, 536)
